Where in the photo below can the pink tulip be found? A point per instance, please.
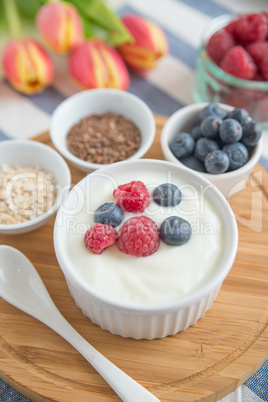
(27, 66)
(94, 64)
(60, 25)
(150, 43)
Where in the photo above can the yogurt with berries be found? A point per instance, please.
(169, 273)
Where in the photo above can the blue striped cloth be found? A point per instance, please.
(165, 89)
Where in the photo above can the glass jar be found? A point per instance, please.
(212, 84)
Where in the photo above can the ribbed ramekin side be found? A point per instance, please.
(142, 325)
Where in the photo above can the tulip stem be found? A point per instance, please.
(13, 18)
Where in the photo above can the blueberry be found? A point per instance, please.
(239, 114)
(251, 133)
(210, 126)
(230, 131)
(238, 154)
(213, 109)
(175, 231)
(217, 162)
(182, 145)
(167, 195)
(203, 146)
(196, 132)
(109, 214)
(193, 163)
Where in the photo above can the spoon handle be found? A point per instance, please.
(125, 387)
(21, 286)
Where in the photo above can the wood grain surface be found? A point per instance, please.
(206, 362)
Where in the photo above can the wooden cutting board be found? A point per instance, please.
(205, 362)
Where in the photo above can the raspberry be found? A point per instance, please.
(231, 28)
(259, 77)
(264, 67)
(258, 50)
(99, 237)
(139, 236)
(238, 62)
(252, 28)
(132, 197)
(218, 45)
(265, 14)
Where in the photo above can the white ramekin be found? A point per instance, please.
(34, 153)
(228, 183)
(100, 101)
(156, 321)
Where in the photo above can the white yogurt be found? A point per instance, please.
(169, 273)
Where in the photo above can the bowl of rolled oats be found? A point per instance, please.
(99, 127)
(34, 178)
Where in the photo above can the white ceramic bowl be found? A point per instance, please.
(126, 319)
(228, 183)
(100, 101)
(33, 153)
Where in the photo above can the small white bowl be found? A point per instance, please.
(228, 183)
(100, 101)
(142, 320)
(33, 153)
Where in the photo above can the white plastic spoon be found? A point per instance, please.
(21, 286)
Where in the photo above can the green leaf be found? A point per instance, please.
(89, 30)
(3, 23)
(92, 30)
(12, 18)
(103, 21)
(28, 8)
